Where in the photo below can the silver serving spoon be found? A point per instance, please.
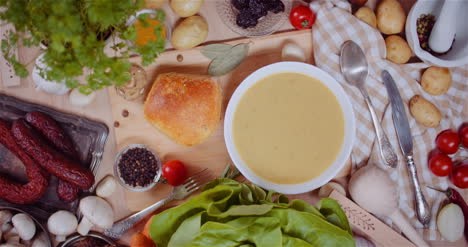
(354, 68)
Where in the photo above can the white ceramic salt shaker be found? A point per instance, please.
(443, 32)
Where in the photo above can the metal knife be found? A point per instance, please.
(402, 128)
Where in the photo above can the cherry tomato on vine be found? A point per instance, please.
(463, 134)
(175, 172)
(447, 141)
(441, 165)
(459, 176)
(302, 17)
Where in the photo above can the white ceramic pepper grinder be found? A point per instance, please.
(443, 32)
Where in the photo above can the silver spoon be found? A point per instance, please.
(354, 68)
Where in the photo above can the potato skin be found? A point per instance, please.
(154, 4)
(191, 32)
(367, 15)
(398, 51)
(436, 80)
(390, 17)
(424, 112)
(186, 8)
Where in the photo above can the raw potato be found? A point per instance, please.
(424, 112)
(398, 51)
(189, 33)
(436, 80)
(367, 15)
(450, 222)
(390, 17)
(186, 8)
(154, 4)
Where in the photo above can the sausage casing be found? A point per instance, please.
(50, 159)
(38, 179)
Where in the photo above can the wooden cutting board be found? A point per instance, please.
(212, 152)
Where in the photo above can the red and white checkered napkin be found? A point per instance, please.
(334, 25)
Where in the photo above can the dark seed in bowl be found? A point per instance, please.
(424, 26)
(138, 167)
(250, 11)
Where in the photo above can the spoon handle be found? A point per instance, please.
(386, 150)
(408, 229)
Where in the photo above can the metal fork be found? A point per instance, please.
(190, 185)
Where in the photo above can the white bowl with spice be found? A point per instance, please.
(458, 54)
(137, 167)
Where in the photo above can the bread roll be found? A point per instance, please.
(187, 108)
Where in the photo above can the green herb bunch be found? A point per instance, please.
(76, 32)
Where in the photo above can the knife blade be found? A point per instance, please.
(403, 131)
(400, 120)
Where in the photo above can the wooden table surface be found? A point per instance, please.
(100, 108)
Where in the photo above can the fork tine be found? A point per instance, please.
(196, 180)
(197, 187)
(199, 182)
(191, 178)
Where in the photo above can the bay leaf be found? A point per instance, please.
(215, 50)
(222, 65)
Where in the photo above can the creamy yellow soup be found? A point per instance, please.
(288, 128)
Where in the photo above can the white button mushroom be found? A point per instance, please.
(61, 224)
(96, 211)
(11, 235)
(5, 218)
(106, 187)
(24, 225)
(40, 240)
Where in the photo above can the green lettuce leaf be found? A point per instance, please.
(334, 214)
(228, 213)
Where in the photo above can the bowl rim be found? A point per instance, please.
(349, 125)
(412, 37)
(75, 237)
(121, 180)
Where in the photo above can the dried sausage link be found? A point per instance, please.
(49, 158)
(38, 179)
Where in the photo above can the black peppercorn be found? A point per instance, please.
(138, 167)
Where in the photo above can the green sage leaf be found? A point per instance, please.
(215, 50)
(222, 65)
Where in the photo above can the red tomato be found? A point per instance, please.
(447, 141)
(463, 134)
(459, 176)
(175, 172)
(433, 152)
(302, 17)
(441, 165)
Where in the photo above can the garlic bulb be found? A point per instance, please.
(292, 52)
(78, 99)
(362, 242)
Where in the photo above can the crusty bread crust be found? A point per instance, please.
(185, 107)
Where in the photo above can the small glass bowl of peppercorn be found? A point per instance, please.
(137, 167)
